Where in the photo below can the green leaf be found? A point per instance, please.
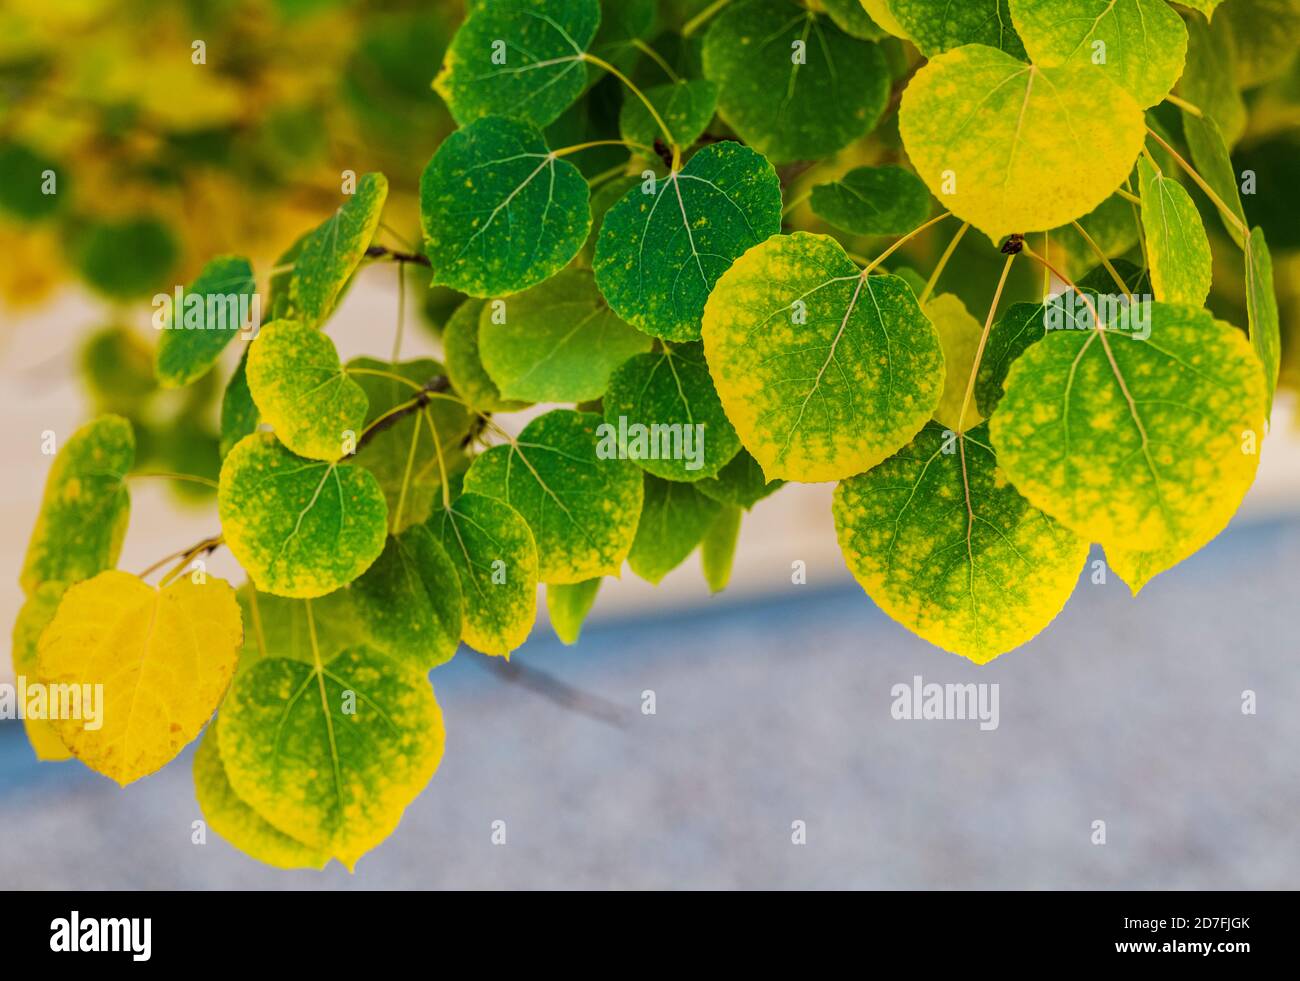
(410, 600)
(1136, 444)
(557, 342)
(791, 83)
(882, 14)
(718, 548)
(823, 371)
(403, 456)
(126, 259)
(276, 626)
(117, 367)
(944, 545)
(740, 483)
(686, 107)
(196, 335)
(568, 604)
(1177, 247)
(331, 753)
(1139, 44)
(329, 256)
(298, 527)
(495, 556)
(85, 507)
(226, 813)
(959, 337)
(1210, 79)
(935, 29)
(622, 24)
(1261, 307)
(997, 141)
(602, 199)
(522, 59)
(581, 505)
(664, 245)
(22, 183)
(852, 18)
(302, 391)
(1210, 155)
(885, 200)
(239, 416)
(1263, 34)
(460, 346)
(675, 519)
(500, 212)
(663, 412)
(1021, 325)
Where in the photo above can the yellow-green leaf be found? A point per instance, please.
(1261, 307)
(944, 545)
(823, 371)
(198, 332)
(1177, 247)
(34, 616)
(1139, 444)
(959, 336)
(302, 391)
(676, 517)
(568, 604)
(935, 27)
(163, 659)
(718, 547)
(460, 346)
(1012, 147)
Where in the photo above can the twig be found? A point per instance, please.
(436, 384)
(384, 252)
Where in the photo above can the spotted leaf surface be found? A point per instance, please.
(500, 212)
(685, 106)
(944, 545)
(581, 503)
(996, 140)
(302, 391)
(663, 246)
(1136, 444)
(959, 336)
(330, 753)
(299, 527)
(935, 27)
(164, 659)
(326, 259)
(495, 555)
(200, 330)
(1177, 247)
(824, 372)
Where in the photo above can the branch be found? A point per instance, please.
(438, 383)
(384, 252)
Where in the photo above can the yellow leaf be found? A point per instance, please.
(163, 659)
(959, 336)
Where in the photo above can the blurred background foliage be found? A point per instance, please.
(162, 164)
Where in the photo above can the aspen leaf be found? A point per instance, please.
(675, 519)
(559, 342)
(1136, 444)
(1261, 307)
(1009, 136)
(194, 339)
(881, 12)
(740, 483)
(410, 601)
(1263, 34)
(580, 504)
(660, 254)
(330, 254)
(1210, 155)
(959, 336)
(276, 626)
(823, 371)
(500, 211)
(1019, 326)
(542, 44)
(791, 83)
(852, 18)
(718, 547)
(495, 555)
(226, 813)
(331, 753)
(34, 616)
(944, 545)
(85, 507)
(299, 527)
(460, 346)
(671, 391)
(1144, 41)
(164, 659)
(1177, 247)
(686, 107)
(568, 604)
(302, 391)
(239, 415)
(885, 200)
(937, 27)
(403, 456)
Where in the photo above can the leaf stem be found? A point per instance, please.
(401, 311)
(657, 58)
(903, 241)
(1128, 195)
(442, 466)
(1087, 300)
(693, 25)
(654, 113)
(406, 475)
(984, 339)
(565, 151)
(392, 376)
(943, 261)
(167, 475)
(1119, 280)
(1185, 105)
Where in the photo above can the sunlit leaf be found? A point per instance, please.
(718, 547)
(1177, 247)
(327, 258)
(936, 27)
(568, 605)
